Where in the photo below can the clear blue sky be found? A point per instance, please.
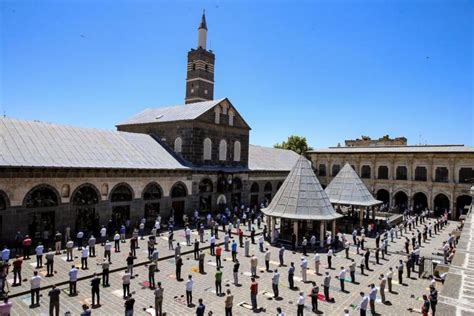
(328, 70)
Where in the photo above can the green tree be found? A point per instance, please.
(296, 143)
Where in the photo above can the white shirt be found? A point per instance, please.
(364, 303)
(212, 240)
(304, 263)
(342, 274)
(301, 300)
(117, 237)
(80, 235)
(267, 256)
(85, 252)
(330, 253)
(73, 274)
(188, 232)
(389, 274)
(126, 278)
(103, 232)
(317, 257)
(189, 285)
(108, 246)
(35, 282)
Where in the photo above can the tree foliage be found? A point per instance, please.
(296, 143)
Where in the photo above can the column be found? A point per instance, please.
(333, 228)
(295, 229)
(361, 216)
(373, 212)
(272, 231)
(321, 234)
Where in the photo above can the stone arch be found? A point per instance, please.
(461, 202)
(207, 149)
(152, 191)
(441, 204)
(4, 200)
(420, 201)
(384, 196)
(121, 192)
(400, 200)
(255, 188)
(178, 190)
(42, 195)
(82, 191)
(268, 187)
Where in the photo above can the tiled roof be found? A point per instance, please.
(347, 188)
(301, 196)
(36, 144)
(271, 159)
(183, 112)
(396, 149)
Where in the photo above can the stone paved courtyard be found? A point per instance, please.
(405, 296)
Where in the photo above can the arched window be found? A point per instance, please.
(420, 173)
(365, 172)
(178, 145)
(466, 175)
(85, 195)
(267, 187)
(231, 117)
(206, 186)
(41, 196)
(194, 66)
(236, 184)
(222, 150)
(207, 150)
(121, 193)
(382, 172)
(237, 151)
(254, 188)
(152, 192)
(217, 113)
(335, 170)
(402, 173)
(441, 174)
(178, 190)
(3, 200)
(322, 170)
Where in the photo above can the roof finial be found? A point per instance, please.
(203, 24)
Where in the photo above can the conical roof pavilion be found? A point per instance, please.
(348, 188)
(301, 197)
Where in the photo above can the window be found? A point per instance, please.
(205, 91)
(217, 112)
(383, 172)
(121, 193)
(402, 173)
(322, 170)
(420, 173)
(41, 196)
(178, 144)
(335, 170)
(441, 174)
(466, 175)
(237, 151)
(194, 66)
(207, 150)
(206, 67)
(222, 150)
(365, 172)
(231, 118)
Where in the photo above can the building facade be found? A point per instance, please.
(437, 177)
(164, 161)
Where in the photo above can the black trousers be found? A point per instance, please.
(299, 311)
(353, 279)
(35, 293)
(290, 281)
(189, 297)
(275, 290)
(218, 261)
(178, 273)
(39, 261)
(314, 302)
(228, 311)
(218, 287)
(105, 277)
(234, 256)
(151, 279)
(95, 293)
(92, 251)
(49, 267)
(400, 277)
(72, 287)
(267, 265)
(201, 266)
(126, 290)
(326, 293)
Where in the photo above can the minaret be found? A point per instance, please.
(200, 73)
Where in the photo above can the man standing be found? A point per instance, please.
(187, 233)
(253, 266)
(212, 242)
(95, 290)
(218, 256)
(201, 262)
(35, 283)
(91, 243)
(281, 254)
(179, 263)
(342, 277)
(291, 274)
(39, 255)
(159, 300)
(366, 258)
(17, 270)
(54, 300)
(26, 247)
(196, 249)
(300, 304)
(253, 293)
(126, 283)
(73, 281)
(105, 273)
(84, 256)
(236, 272)
(69, 247)
(201, 308)
(389, 279)
(247, 247)
(400, 272)
(326, 284)
(275, 281)
(49, 263)
(79, 238)
(304, 244)
(218, 279)
(117, 242)
(267, 260)
(317, 261)
(363, 304)
(433, 299)
(189, 290)
(151, 274)
(229, 301)
(314, 298)
(103, 235)
(304, 269)
(260, 243)
(352, 269)
(383, 281)
(130, 259)
(372, 297)
(234, 251)
(330, 253)
(129, 303)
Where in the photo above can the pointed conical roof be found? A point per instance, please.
(203, 24)
(301, 196)
(348, 188)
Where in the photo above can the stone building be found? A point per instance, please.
(437, 177)
(175, 159)
(366, 141)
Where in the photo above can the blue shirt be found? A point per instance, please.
(122, 230)
(373, 294)
(200, 310)
(6, 254)
(234, 246)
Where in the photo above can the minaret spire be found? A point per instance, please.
(202, 32)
